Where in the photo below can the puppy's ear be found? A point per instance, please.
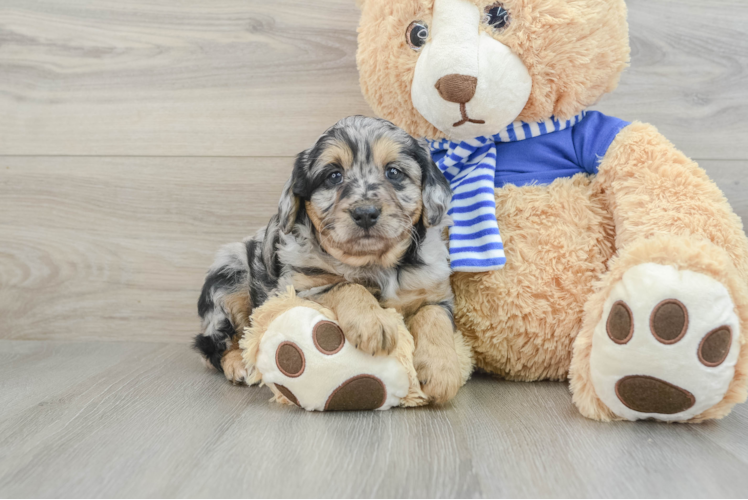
(288, 207)
(436, 193)
(290, 201)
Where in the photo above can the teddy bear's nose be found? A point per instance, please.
(457, 88)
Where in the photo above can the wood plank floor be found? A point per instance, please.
(136, 137)
(83, 419)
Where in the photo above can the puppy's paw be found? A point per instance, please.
(438, 371)
(374, 332)
(233, 367)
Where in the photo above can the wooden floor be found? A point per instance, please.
(136, 137)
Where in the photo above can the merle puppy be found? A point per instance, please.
(359, 228)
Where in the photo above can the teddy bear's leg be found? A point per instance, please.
(436, 358)
(662, 336)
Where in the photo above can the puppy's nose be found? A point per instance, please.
(365, 216)
(457, 88)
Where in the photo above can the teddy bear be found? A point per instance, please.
(583, 247)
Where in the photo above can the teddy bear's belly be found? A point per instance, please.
(522, 319)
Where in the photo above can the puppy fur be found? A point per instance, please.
(315, 245)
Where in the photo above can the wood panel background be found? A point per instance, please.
(115, 248)
(259, 78)
(136, 137)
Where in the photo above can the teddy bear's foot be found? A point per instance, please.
(666, 346)
(307, 361)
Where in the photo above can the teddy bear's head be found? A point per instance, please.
(467, 68)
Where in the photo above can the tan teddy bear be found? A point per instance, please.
(604, 254)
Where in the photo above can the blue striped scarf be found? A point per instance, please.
(470, 166)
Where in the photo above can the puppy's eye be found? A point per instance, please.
(496, 16)
(394, 174)
(416, 35)
(334, 179)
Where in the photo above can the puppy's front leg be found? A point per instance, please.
(365, 324)
(435, 358)
(233, 365)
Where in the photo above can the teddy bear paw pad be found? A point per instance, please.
(305, 357)
(667, 345)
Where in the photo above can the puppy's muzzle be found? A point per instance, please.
(365, 216)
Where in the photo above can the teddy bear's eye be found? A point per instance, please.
(496, 16)
(416, 35)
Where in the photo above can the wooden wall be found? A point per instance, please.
(136, 137)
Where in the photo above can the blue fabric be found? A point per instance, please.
(474, 240)
(521, 154)
(543, 159)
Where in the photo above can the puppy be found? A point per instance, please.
(359, 228)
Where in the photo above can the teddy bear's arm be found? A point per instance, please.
(325, 366)
(652, 188)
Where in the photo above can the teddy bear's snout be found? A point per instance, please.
(457, 88)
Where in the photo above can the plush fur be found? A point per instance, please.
(568, 243)
(523, 319)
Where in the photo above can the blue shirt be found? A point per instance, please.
(543, 159)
